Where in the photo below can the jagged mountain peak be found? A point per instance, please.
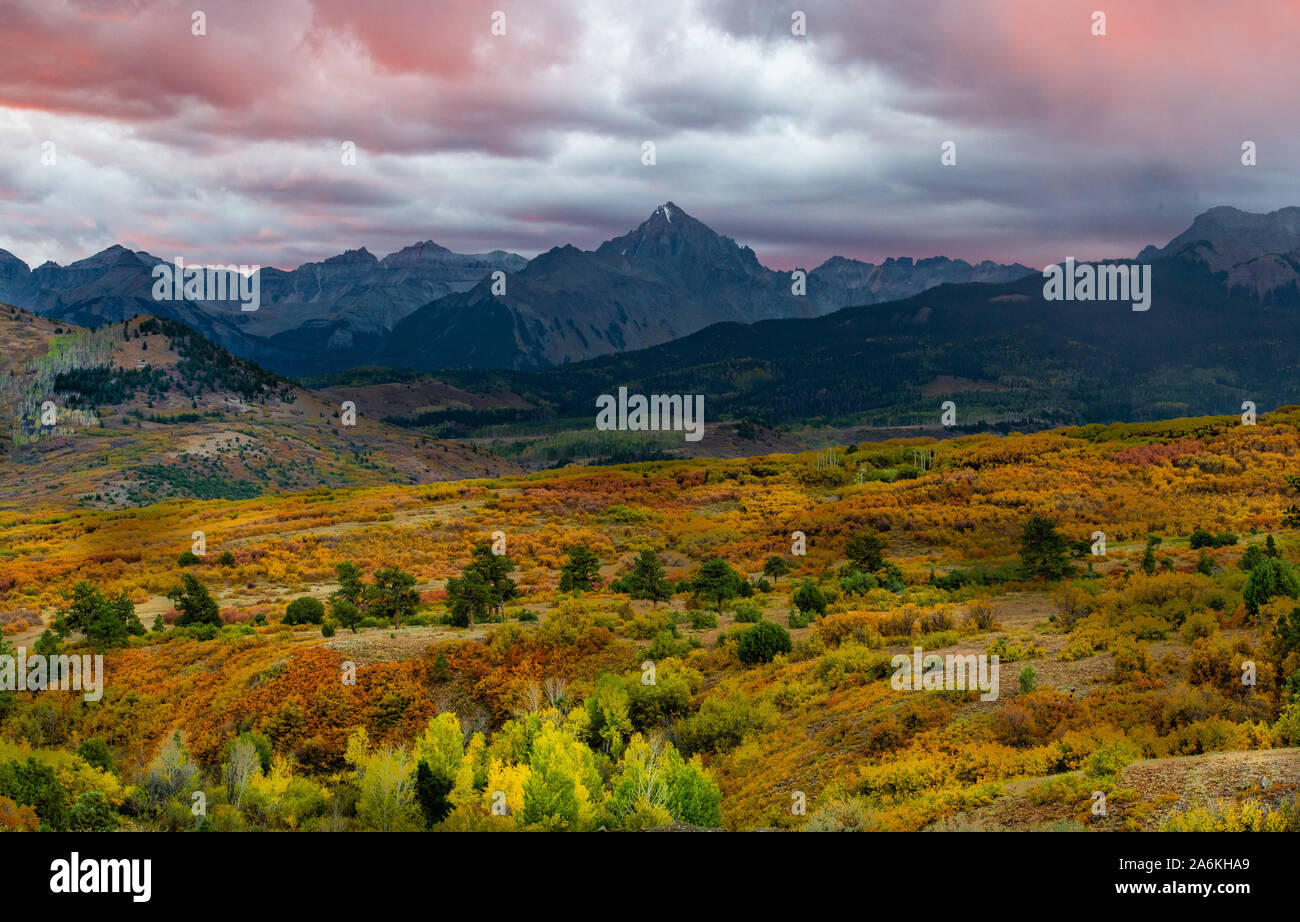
(361, 255)
(1256, 252)
(8, 259)
(842, 262)
(416, 253)
(112, 256)
(671, 235)
(1242, 233)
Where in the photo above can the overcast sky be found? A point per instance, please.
(227, 147)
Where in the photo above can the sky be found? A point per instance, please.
(228, 147)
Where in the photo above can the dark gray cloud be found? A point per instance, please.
(226, 147)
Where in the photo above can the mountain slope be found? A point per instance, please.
(1002, 353)
(669, 277)
(317, 317)
(146, 409)
(425, 307)
(852, 282)
(1256, 255)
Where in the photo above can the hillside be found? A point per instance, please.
(1120, 670)
(146, 409)
(1008, 359)
(319, 316)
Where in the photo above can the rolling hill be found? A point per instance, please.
(143, 410)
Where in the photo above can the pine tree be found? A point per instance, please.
(1043, 550)
(104, 622)
(716, 582)
(581, 572)
(866, 552)
(393, 595)
(483, 588)
(776, 567)
(194, 602)
(647, 580)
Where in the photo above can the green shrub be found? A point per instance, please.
(858, 583)
(1111, 759)
(1028, 679)
(665, 645)
(702, 619)
(202, 631)
(1008, 651)
(92, 813)
(809, 599)
(304, 610)
(722, 723)
(762, 642)
(95, 752)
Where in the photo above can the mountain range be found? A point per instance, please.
(672, 302)
(428, 308)
(1222, 328)
(171, 412)
(341, 308)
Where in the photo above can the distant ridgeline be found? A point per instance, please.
(1006, 357)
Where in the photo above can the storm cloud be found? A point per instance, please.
(226, 147)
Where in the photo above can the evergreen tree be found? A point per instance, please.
(483, 588)
(304, 610)
(762, 642)
(347, 601)
(392, 596)
(1269, 579)
(431, 790)
(776, 567)
(194, 602)
(470, 597)
(1250, 558)
(716, 582)
(1149, 558)
(351, 587)
(1043, 550)
(866, 552)
(809, 599)
(581, 572)
(104, 622)
(647, 580)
